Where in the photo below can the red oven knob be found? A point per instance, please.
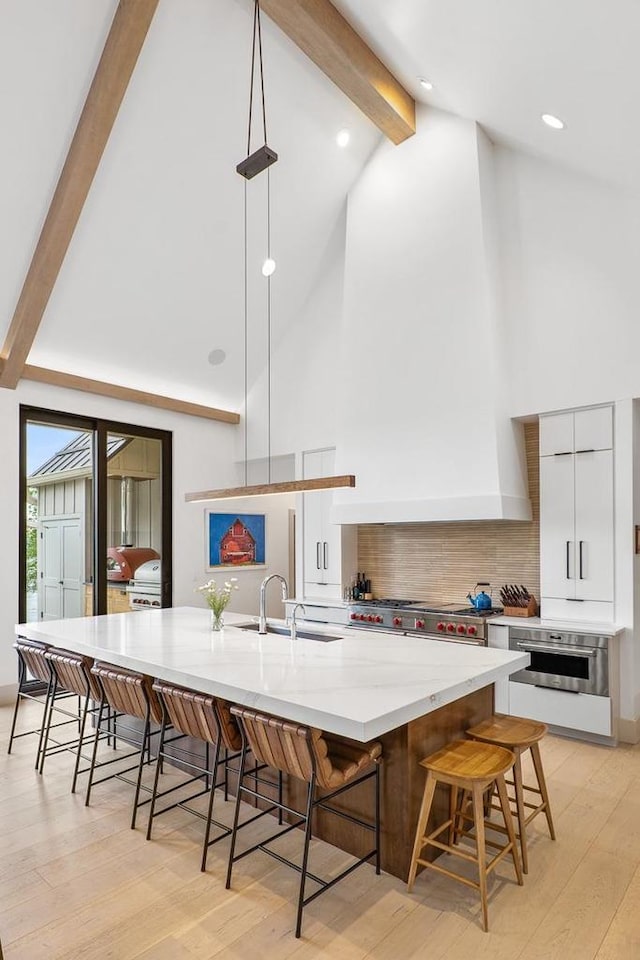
(370, 618)
(461, 628)
(472, 630)
(419, 624)
(397, 621)
(354, 616)
(440, 626)
(451, 627)
(361, 616)
(378, 619)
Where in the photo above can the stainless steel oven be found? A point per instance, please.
(576, 662)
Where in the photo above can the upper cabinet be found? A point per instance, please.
(576, 515)
(578, 431)
(329, 550)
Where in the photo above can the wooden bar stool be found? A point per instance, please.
(321, 761)
(471, 767)
(519, 734)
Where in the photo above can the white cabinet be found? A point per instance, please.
(329, 550)
(572, 711)
(576, 515)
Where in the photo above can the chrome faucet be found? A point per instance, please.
(298, 606)
(262, 626)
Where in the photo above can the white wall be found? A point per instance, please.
(202, 458)
(569, 249)
(418, 383)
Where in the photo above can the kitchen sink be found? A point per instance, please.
(283, 631)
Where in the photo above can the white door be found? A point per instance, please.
(60, 568)
(557, 533)
(556, 434)
(594, 525)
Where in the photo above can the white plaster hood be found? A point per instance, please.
(424, 424)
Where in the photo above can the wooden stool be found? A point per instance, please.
(519, 734)
(470, 766)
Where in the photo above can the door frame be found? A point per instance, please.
(100, 428)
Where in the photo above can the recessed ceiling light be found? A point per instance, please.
(268, 267)
(216, 357)
(554, 122)
(342, 137)
(425, 83)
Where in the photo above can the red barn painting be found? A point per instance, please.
(237, 545)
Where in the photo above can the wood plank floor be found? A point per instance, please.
(77, 884)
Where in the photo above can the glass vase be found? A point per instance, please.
(217, 620)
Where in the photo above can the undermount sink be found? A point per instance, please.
(286, 632)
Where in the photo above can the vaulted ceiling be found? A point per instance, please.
(152, 282)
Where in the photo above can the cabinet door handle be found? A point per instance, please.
(564, 453)
(568, 542)
(318, 561)
(581, 542)
(589, 450)
(325, 554)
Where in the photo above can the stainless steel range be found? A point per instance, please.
(439, 621)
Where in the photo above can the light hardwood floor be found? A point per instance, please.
(77, 884)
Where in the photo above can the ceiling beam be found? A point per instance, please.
(71, 382)
(341, 53)
(126, 37)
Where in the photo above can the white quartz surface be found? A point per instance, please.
(568, 626)
(361, 686)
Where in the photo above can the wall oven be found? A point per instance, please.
(575, 662)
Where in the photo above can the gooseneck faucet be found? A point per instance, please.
(298, 606)
(262, 625)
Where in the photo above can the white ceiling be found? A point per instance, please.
(153, 279)
(505, 62)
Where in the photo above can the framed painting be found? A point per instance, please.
(235, 541)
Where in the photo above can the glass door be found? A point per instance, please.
(95, 507)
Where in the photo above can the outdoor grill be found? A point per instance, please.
(145, 589)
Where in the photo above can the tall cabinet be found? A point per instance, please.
(576, 515)
(329, 549)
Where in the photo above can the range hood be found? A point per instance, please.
(424, 407)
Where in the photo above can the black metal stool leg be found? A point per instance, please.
(145, 747)
(94, 751)
(154, 793)
(80, 742)
(42, 746)
(22, 675)
(236, 815)
(212, 791)
(305, 854)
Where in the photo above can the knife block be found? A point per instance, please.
(529, 611)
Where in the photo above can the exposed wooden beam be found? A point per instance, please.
(341, 53)
(126, 37)
(71, 382)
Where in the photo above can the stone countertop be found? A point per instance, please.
(566, 626)
(361, 685)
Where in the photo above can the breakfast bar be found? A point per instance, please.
(412, 694)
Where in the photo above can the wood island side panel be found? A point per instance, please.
(402, 784)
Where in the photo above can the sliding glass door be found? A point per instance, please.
(95, 504)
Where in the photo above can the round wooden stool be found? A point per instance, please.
(519, 734)
(472, 767)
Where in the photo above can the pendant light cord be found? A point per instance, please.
(246, 339)
(257, 35)
(269, 326)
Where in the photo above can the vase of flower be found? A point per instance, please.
(217, 599)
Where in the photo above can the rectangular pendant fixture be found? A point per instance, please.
(262, 158)
(264, 489)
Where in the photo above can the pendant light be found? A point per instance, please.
(252, 165)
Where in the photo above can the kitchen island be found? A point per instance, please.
(413, 694)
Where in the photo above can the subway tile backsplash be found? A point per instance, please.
(443, 561)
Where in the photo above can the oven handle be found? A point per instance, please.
(532, 647)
